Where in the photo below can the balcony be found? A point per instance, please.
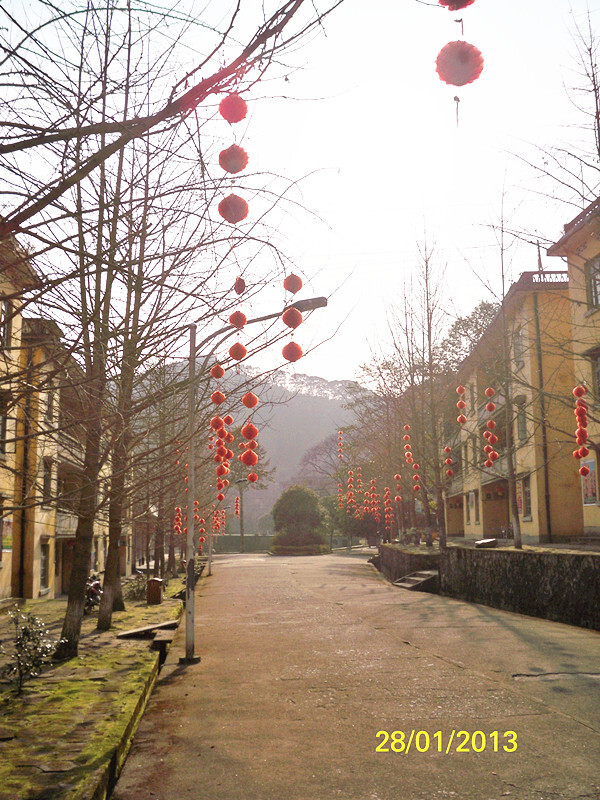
(66, 524)
(498, 472)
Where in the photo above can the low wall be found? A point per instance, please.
(231, 543)
(559, 585)
(399, 560)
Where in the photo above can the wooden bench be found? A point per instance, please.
(161, 641)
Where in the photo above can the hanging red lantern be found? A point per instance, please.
(584, 471)
(250, 400)
(461, 419)
(416, 488)
(239, 286)
(249, 458)
(249, 431)
(252, 477)
(292, 352)
(228, 420)
(490, 424)
(234, 159)
(292, 283)
(233, 208)
(233, 108)
(460, 389)
(238, 319)
(216, 423)
(490, 406)
(461, 404)
(456, 5)
(397, 476)
(217, 397)
(583, 452)
(217, 371)
(292, 318)
(237, 351)
(406, 427)
(220, 496)
(579, 391)
(488, 463)
(449, 473)
(447, 449)
(459, 63)
(489, 392)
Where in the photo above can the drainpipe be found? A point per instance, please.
(538, 342)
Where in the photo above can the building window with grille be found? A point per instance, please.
(527, 497)
(593, 282)
(468, 508)
(521, 422)
(46, 481)
(5, 323)
(44, 565)
(49, 404)
(476, 505)
(518, 348)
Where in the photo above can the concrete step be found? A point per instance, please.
(426, 580)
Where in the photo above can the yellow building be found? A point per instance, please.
(580, 245)
(529, 341)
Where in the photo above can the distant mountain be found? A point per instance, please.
(296, 413)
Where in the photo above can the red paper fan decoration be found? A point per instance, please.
(233, 208)
(459, 63)
(239, 286)
(238, 319)
(233, 108)
(234, 159)
(292, 283)
(250, 400)
(292, 352)
(292, 318)
(237, 351)
(217, 371)
(456, 5)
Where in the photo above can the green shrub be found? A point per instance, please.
(135, 588)
(32, 648)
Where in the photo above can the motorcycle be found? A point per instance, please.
(93, 594)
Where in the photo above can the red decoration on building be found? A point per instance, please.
(233, 208)
(292, 283)
(233, 108)
(234, 159)
(237, 351)
(292, 352)
(292, 318)
(238, 319)
(459, 63)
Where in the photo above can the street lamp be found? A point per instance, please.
(310, 304)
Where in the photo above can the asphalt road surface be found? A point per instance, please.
(309, 666)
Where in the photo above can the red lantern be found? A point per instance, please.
(488, 463)
(291, 317)
(249, 431)
(449, 473)
(252, 477)
(292, 352)
(292, 283)
(583, 471)
(489, 392)
(234, 159)
(490, 424)
(217, 397)
(579, 391)
(216, 423)
(461, 419)
(456, 5)
(416, 488)
(239, 286)
(237, 351)
(406, 427)
(238, 319)
(461, 404)
(583, 452)
(233, 108)
(250, 400)
(490, 406)
(460, 390)
(228, 420)
(447, 449)
(459, 63)
(397, 476)
(233, 208)
(220, 497)
(448, 462)
(249, 458)
(217, 371)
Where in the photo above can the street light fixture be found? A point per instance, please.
(310, 304)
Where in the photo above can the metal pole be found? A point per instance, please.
(189, 585)
(241, 517)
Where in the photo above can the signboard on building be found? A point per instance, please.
(589, 482)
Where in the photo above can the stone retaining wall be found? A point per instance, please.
(397, 561)
(559, 585)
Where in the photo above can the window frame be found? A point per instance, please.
(592, 269)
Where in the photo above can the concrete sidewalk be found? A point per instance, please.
(307, 661)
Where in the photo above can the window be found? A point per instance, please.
(472, 398)
(4, 401)
(5, 323)
(46, 481)
(44, 565)
(521, 422)
(518, 347)
(476, 504)
(593, 282)
(468, 508)
(465, 458)
(50, 404)
(527, 497)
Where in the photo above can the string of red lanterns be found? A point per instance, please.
(581, 434)
(292, 318)
(488, 434)
(234, 159)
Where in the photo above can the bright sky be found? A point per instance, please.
(373, 128)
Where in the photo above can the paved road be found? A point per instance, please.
(305, 660)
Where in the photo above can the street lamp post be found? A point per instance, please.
(310, 304)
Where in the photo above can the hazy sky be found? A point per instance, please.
(368, 122)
